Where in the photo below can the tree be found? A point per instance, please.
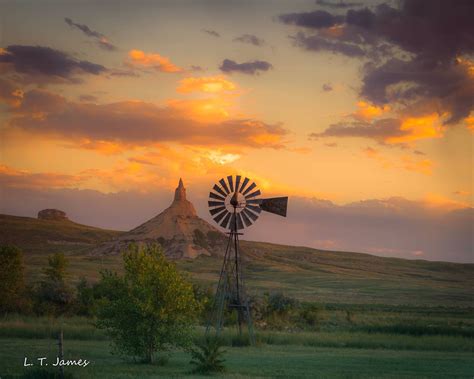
(12, 281)
(150, 308)
(53, 295)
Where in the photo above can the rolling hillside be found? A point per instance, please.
(305, 273)
(45, 236)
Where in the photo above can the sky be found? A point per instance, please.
(361, 112)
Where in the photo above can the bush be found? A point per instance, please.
(207, 357)
(311, 315)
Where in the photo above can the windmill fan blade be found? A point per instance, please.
(224, 185)
(216, 210)
(215, 196)
(237, 182)
(252, 215)
(250, 188)
(219, 189)
(276, 205)
(215, 203)
(226, 220)
(245, 219)
(220, 216)
(244, 184)
(230, 179)
(253, 194)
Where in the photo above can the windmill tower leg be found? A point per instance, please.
(230, 293)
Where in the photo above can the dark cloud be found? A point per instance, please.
(418, 152)
(101, 40)
(249, 68)
(196, 68)
(448, 84)
(151, 124)
(88, 98)
(313, 20)
(211, 32)
(417, 54)
(10, 94)
(44, 64)
(327, 87)
(337, 4)
(250, 39)
(379, 130)
(317, 43)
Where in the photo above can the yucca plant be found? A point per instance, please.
(207, 357)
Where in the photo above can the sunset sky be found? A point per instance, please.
(360, 111)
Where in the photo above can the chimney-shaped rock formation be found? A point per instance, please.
(181, 232)
(180, 191)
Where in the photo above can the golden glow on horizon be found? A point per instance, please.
(210, 84)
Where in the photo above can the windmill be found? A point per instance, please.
(235, 205)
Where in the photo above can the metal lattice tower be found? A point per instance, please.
(235, 205)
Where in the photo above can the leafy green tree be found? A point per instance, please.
(150, 308)
(53, 294)
(12, 281)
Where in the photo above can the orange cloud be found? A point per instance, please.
(469, 122)
(437, 201)
(416, 128)
(101, 147)
(367, 111)
(14, 178)
(422, 166)
(210, 84)
(109, 127)
(462, 193)
(152, 60)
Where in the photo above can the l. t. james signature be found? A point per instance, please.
(43, 361)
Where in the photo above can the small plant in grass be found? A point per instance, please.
(207, 357)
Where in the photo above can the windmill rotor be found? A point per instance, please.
(241, 198)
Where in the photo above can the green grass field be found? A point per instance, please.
(338, 350)
(264, 361)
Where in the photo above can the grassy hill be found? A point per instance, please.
(308, 274)
(38, 236)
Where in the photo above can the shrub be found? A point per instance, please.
(207, 357)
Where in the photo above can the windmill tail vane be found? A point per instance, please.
(235, 204)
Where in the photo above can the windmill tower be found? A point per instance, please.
(234, 205)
